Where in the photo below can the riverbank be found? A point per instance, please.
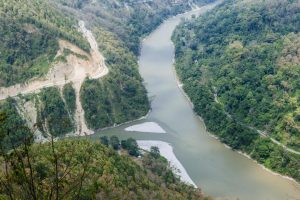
(124, 123)
(217, 170)
(146, 127)
(166, 150)
(180, 85)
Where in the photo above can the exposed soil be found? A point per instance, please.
(74, 70)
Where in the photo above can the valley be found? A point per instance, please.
(212, 166)
(94, 92)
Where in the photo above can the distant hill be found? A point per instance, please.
(129, 20)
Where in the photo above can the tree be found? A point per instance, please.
(104, 140)
(124, 144)
(114, 142)
(131, 146)
(154, 152)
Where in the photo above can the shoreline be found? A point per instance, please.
(197, 8)
(106, 128)
(179, 85)
(73, 134)
(166, 150)
(146, 127)
(127, 122)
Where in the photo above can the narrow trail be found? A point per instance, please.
(265, 134)
(74, 70)
(260, 132)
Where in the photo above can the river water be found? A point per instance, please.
(217, 170)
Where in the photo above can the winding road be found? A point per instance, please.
(260, 132)
(75, 70)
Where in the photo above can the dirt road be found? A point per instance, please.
(75, 70)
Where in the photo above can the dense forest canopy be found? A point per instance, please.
(69, 95)
(13, 128)
(29, 33)
(80, 169)
(54, 113)
(129, 20)
(28, 38)
(118, 27)
(240, 66)
(118, 97)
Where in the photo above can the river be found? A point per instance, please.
(217, 170)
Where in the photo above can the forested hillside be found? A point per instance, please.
(13, 127)
(119, 26)
(29, 31)
(129, 20)
(119, 96)
(35, 37)
(240, 67)
(30, 34)
(80, 169)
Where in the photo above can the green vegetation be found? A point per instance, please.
(29, 35)
(119, 96)
(131, 146)
(154, 152)
(54, 114)
(240, 67)
(80, 169)
(128, 20)
(144, 20)
(104, 140)
(13, 128)
(70, 98)
(158, 165)
(29, 31)
(115, 142)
